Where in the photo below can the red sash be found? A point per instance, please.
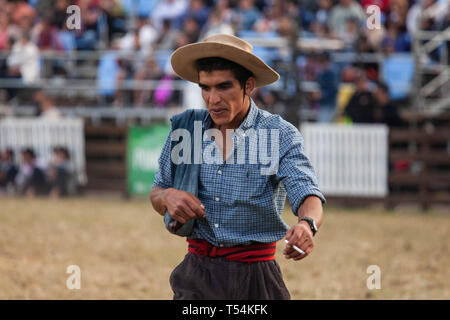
(251, 253)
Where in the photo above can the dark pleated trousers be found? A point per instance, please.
(204, 278)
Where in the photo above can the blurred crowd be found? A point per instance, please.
(34, 177)
(152, 29)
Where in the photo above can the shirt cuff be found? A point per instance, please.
(299, 199)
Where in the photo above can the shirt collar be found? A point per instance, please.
(250, 119)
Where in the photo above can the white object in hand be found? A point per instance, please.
(296, 248)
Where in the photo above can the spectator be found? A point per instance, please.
(224, 10)
(150, 71)
(351, 34)
(323, 12)
(398, 12)
(288, 28)
(360, 108)
(23, 15)
(216, 25)
(59, 174)
(31, 180)
(4, 31)
(308, 67)
(327, 80)
(46, 36)
(23, 61)
(46, 107)
(346, 9)
(386, 112)
(246, 15)
(268, 22)
(111, 20)
(191, 30)
(292, 10)
(167, 36)
(171, 10)
(307, 10)
(395, 40)
(319, 30)
(87, 37)
(59, 16)
(8, 170)
(197, 11)
(141, 37)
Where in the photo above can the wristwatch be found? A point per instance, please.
(312, 224)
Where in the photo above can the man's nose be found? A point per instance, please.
(214, 97)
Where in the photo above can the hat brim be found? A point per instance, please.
(183, 61)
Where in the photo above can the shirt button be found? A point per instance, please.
(219, 172)
(217, 198)
(216, 225)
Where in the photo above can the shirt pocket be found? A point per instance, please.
(245, 182)
(257, 182)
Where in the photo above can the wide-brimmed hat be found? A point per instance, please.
(222, 46)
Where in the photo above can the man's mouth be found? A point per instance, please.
(217, 112)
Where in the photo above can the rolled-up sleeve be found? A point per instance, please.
(295, 170)
(163, 177)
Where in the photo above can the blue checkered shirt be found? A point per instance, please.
(242, 205)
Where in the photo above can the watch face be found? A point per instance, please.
(311, 223)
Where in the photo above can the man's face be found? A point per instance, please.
(223, 96)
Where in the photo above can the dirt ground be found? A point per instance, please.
(124, 252)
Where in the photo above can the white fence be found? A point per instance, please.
(43, 135)
(348, 160)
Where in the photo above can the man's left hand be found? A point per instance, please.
(301, 236)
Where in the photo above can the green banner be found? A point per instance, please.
(144, 145)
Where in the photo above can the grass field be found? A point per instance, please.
(124, 252)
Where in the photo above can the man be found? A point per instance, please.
(233, 207)
(59, 173)
(8, 170)
(386, 112)
(340, 14)
(31, 179)
(328, 88)
(361, 107)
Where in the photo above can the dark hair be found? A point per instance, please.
(65, 152)
(383, 86)
(30, 152)
(10, 153)
(215, 63)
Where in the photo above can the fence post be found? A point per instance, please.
(423, 184)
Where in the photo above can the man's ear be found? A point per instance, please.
(250, 85)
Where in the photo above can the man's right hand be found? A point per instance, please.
(182, 206)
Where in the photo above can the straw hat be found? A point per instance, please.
(223, 46)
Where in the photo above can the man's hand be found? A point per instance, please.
(182, 206)
(301, 236)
